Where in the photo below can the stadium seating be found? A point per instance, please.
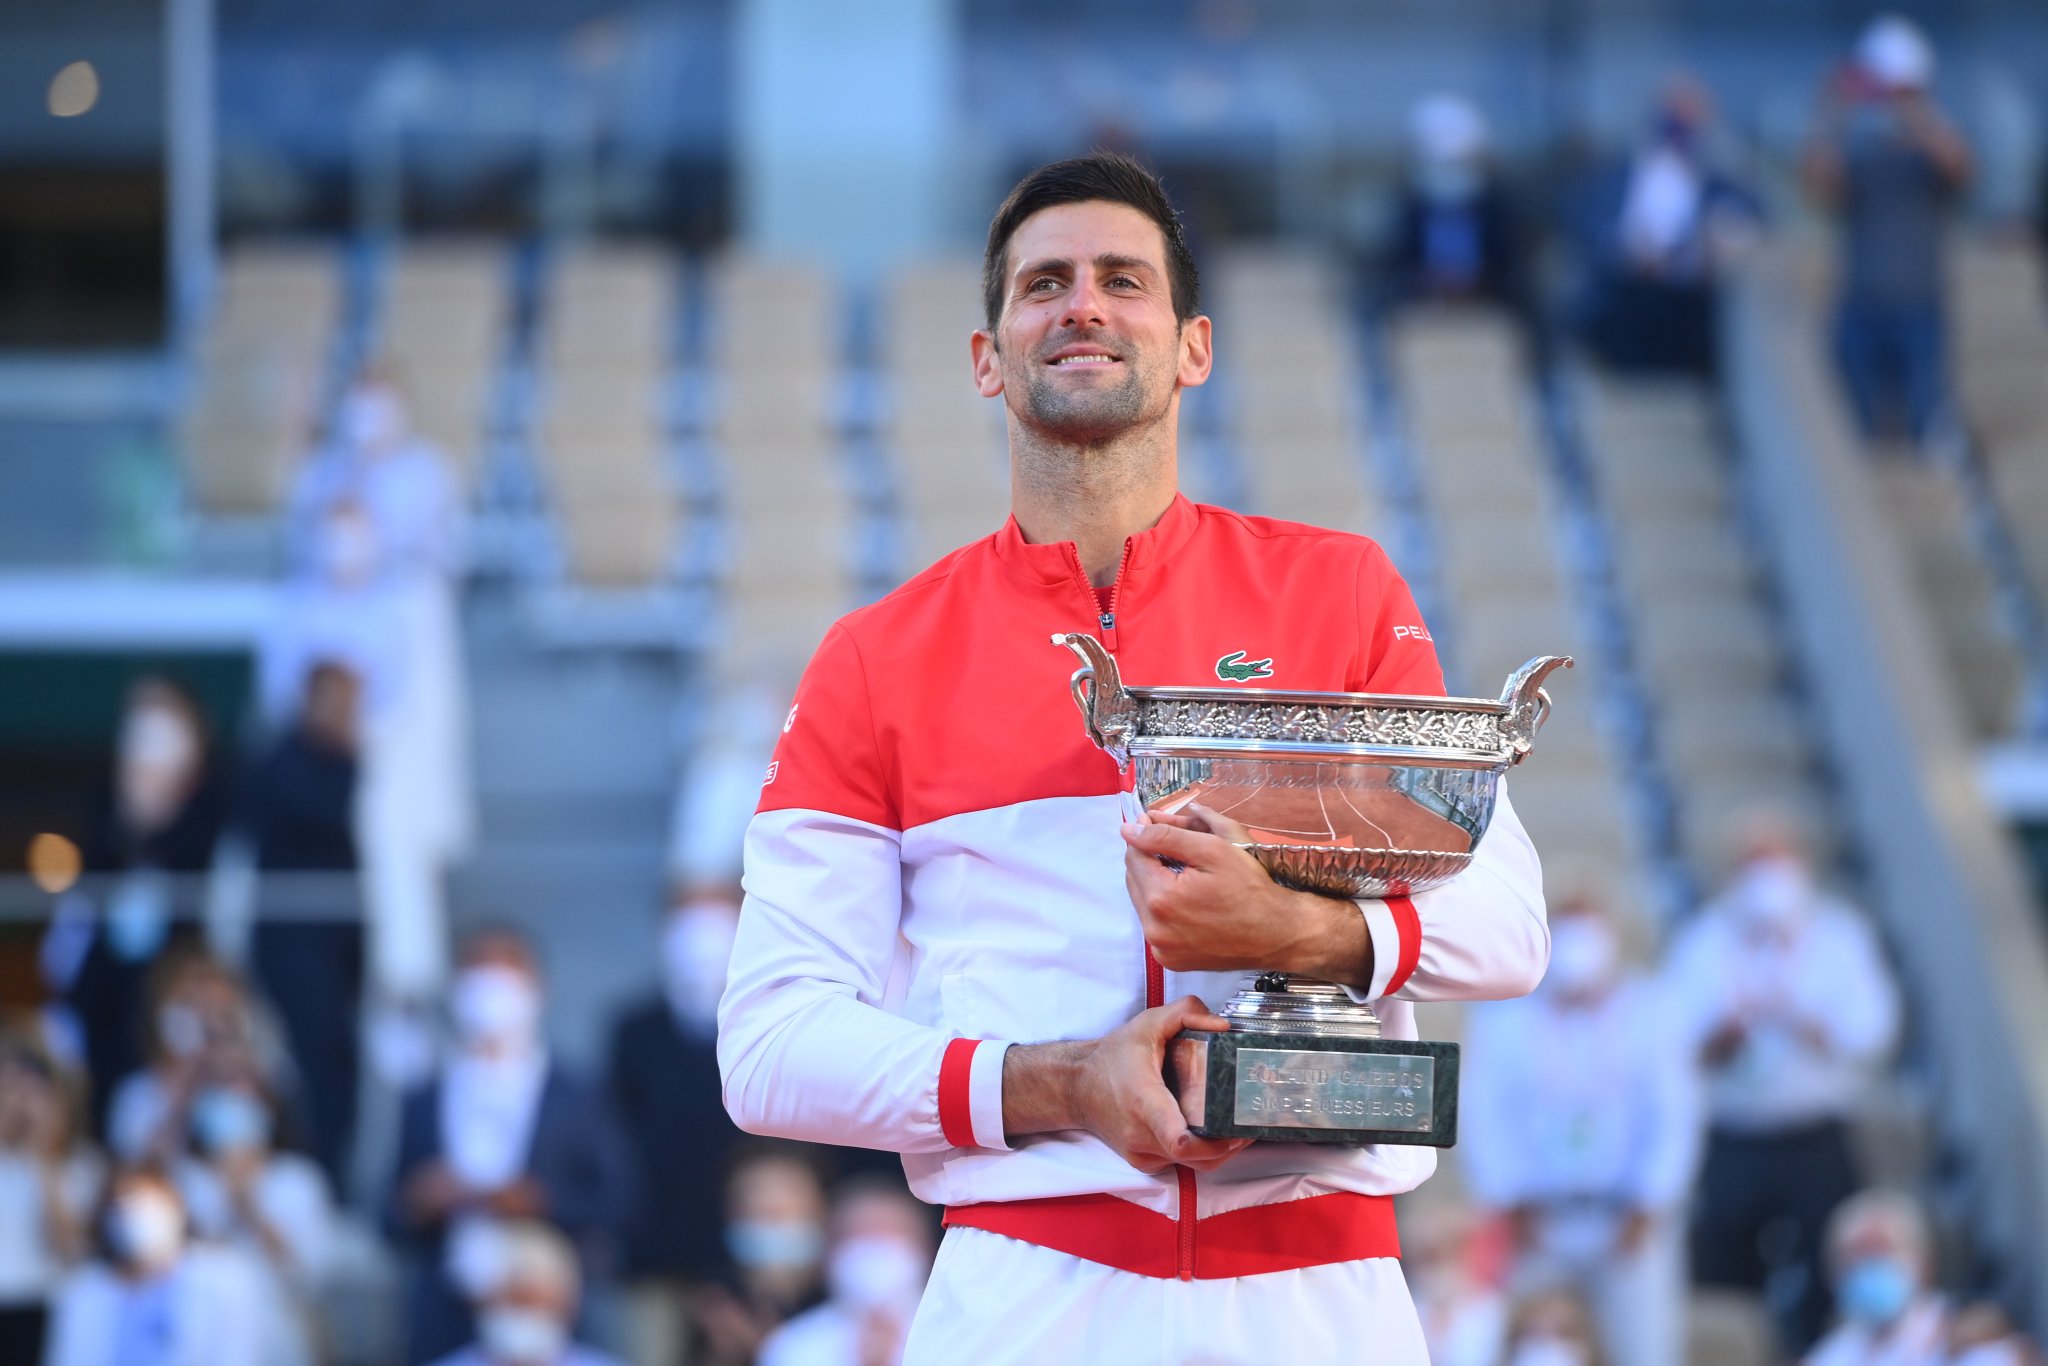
(445, 310)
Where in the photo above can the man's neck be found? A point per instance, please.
(1098, 497)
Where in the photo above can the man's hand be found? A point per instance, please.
(1115, 1088)
(1220, 909)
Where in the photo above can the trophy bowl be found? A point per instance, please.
(1348, 794)
(1353, 795)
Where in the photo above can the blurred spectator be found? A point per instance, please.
(1980, 1334)
(275, 1206)
(775, 1232)
(152, 1297)
(1788, 1000)
(298, 809)
(1889, 162)
(1880, 1255)
(1553, 1329)
(881, 1253)
(528, 1315)
(160, 820)
(1456, 234)
(204, 1032)
(723, 785)
(49, 1182)
(503, 1134)
(665, 1084)
(1591, 1162)
(1659, 229)
(376, 461)
(1455, 1286)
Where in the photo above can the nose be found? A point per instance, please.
(1085, 305)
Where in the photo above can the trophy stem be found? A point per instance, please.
(1283, 1003)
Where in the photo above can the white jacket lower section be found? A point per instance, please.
(863, 952)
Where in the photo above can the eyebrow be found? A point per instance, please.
(1108, 260)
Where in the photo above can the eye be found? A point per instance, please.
(1041, 284)
(1123, 282)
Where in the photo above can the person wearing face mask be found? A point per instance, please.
(875, 1269)
(1583, 1127)
(1457, 236)
(159, 822)
(405, 483)
(154, 1297)
(204, 1031)
(775, 1235)
(1879, 1253)
(1889, 162)
(1656, 230)
(527, 1316)
(1791, 1011)
(49, 1181)
(240, 1191)
(1553, 1329)
(664, 1084)
(504, 1133)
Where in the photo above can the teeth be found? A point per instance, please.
(1086, 360)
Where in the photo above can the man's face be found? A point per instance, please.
(1087, 345)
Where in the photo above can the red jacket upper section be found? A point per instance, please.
(948, 696)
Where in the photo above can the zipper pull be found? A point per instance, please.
(1108, 621)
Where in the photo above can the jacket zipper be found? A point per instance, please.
(1155, 975)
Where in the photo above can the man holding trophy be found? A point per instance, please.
(984, 934)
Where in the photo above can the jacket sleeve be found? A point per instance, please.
(805, 1048)
(1483, 935)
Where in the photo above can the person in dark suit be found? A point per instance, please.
(664, 1082)
(298, 808)
(503, 1134)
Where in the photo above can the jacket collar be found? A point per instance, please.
(1056, 563)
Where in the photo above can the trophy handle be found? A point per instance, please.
(1109, 712)
(1527, 704)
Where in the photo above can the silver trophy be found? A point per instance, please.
(1347, 794)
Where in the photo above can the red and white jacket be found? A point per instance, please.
(935, 872)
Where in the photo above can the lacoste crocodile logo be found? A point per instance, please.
(1235, 668)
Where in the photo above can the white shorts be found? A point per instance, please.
(994, 1300)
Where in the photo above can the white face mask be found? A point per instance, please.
(1772, 892)
(696, 945)
(1549, 1351)
(495, 1005)
(371, 419)
(157, 754)
(521, 1337)
(876, 1273)
(1582, 953)
(147, 1229)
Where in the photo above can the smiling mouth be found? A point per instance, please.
(1075, 361)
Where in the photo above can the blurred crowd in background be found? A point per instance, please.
(216, 1131)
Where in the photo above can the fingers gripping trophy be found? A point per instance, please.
(1344, 794)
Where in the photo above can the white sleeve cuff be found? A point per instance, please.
(1386, 950)
(985, 1094)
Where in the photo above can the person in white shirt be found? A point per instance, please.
(1792, 1009)
(49, 1182)
(1880, 1254)
(527, 1315)
(1582, 1124)
(155, 1298)
(505, 1134)
(273, 1205)
(880, 1255)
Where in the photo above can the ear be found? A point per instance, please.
(988, 363)
(1195, 355)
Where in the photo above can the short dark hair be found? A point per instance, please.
(1109, 176)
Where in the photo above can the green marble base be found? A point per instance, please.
(1301, 1088)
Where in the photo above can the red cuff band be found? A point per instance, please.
(956, 1111)
(1408, 928)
